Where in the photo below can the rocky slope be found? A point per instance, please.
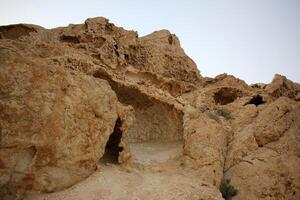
(77, 97)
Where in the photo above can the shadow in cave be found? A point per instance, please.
(112, 148)
(226, 95)
(256, 100)
(155, 120)
(156, 136)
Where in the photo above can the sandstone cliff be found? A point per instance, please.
(74, 98)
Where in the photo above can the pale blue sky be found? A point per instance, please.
(251, 39)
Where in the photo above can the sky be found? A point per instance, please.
(250, 39)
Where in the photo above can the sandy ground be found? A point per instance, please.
(155, 172)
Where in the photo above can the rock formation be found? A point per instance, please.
(72, 95)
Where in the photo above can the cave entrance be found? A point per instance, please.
(155, 121)
(157, 132)
(112, 148)
(256, 100)
(156, 136)
(226, 95)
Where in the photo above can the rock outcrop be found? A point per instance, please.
(53, 124)
(281, 86)
(72, 95)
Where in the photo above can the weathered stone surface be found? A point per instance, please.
(260, 151)
(72, 96)
(53, 124)
(204, 146)
(281, 86)
(270, 171)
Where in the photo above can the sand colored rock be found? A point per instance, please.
(92, 111)
(281, 86)
(52, 124)
(205, 147)
(269, 169)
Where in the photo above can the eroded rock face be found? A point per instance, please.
(205, 146)
(257, 139)
(265, 166)
(54, 124)
(281, 86)
(58, 109)
(68, 94)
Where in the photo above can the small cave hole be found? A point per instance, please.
(70, 39)
(170, 40)
(112, 148)
(256, 100)
(126, 57)
(226, 95)
(117, 53)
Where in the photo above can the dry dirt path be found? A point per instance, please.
(155, 173)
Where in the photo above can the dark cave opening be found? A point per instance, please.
(70, 39)
(256, 100)
(226, 95)
(112, 148)
(157, 128)
(154, 120)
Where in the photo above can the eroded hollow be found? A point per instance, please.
(226, 95)
(70, 39)
(256, 100)
(154, 120)
(157, 132)
(112, 148)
